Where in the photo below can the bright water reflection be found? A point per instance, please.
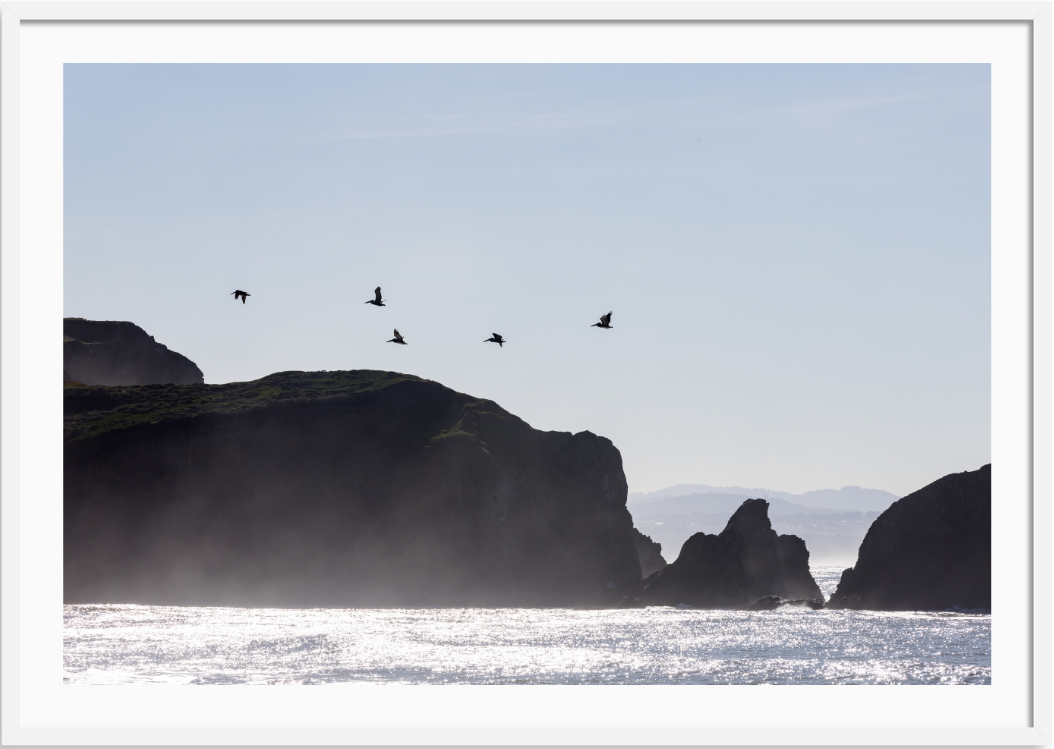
(125, 644)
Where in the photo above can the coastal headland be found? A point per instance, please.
(366, 488)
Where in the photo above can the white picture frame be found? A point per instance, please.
(31, 714)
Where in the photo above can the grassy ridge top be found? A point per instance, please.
(93, 410)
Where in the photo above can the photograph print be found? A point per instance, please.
(527, 374)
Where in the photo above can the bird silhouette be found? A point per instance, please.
(242, 294)
(605, 322)
(398, 339)
(378, 301)
(495, 338)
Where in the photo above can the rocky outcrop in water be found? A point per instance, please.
(649, 553)
(771, 603)
(354, 488)
(121, 353)
(744, 562)
(930, 550)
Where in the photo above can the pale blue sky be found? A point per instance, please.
(797, 256)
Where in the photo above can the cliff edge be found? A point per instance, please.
(121, 353)
(357, 488)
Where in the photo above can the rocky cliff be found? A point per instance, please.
(649, 553)
(744, 562)
(120, 353)
(353, 488)
(930, 550)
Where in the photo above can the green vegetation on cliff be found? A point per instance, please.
(91, 411)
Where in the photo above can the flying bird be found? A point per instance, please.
(495, 338)
(398, 339)
(605, 322)
(242, 294)
(378, 301)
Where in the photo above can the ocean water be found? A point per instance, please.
(122, 644)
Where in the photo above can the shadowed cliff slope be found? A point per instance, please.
(121, 353)
(930, 550)
(744, 562)
(650, 554)
(356, 488)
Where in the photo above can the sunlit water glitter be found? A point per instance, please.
(121, 644)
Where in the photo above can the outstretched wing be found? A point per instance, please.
(606, 319)
(497, 336)
(397, 333)
(377, 291)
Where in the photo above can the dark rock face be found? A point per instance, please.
(744, 562)
(765, 603)
(335, 489)
(930, 550)
(121, 353)
(771, 603)
(650, 554)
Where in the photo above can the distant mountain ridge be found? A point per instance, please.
(853, 498)
(720, 504)
(831, 521)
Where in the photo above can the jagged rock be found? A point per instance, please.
(121, 353)
(336, 489)
(769, 603)
(743, 563)
(930, 550)
(766, 603)
(650, 554)
(845, 601)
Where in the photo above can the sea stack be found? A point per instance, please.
(349, 489)
(121, 353)
(930, 550)
(746, 561)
